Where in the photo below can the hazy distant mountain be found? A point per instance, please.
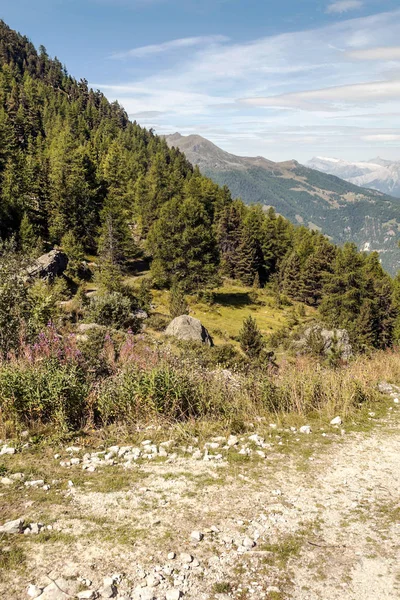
(340, 209)
(378, 174)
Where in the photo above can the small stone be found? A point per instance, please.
(7, 450)
(12, 526)
(197, 536)
(336, 421)
(6, 481)
(17, 476)
(37, 483)
(186, 558)
(173, 594)
(86, 594)
(248, 543)
(152, 581)
(34, 591)
(396, 400)
(305, 429)
(171, 555)
(233, 440)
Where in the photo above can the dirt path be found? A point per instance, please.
(317, 518)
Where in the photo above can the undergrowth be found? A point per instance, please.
(54, 383)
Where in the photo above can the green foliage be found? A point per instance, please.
(133, 395)
(43, 300)
(112, 309)
(14, 306)
(251, 339)
(143, 295)
(73, 248)
(183, 245)
(177, 302)
(46, 392)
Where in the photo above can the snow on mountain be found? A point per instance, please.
(377, 174)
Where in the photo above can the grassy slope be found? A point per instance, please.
(233, 304)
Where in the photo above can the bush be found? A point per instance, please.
(44, 392)
(158, 322)
(177, 302)
(251, 340)
(112, 309)
(134, 395)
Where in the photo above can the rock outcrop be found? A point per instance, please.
(325, 341)
(48, 265)
(190, 329)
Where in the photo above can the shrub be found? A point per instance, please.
(112, 309)
(251, 340)
(45, 392)
(177, 302)
(158, 322)
(135, 394)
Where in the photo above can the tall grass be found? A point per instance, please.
(52, 382)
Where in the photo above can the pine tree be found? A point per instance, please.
(177, 302)
(250, 337)
(28, 241)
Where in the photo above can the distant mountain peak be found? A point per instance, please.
(307, 194)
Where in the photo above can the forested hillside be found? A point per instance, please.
(76, 172)
(338, 208)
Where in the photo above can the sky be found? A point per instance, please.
(276, 78)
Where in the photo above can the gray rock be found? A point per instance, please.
(326, 341)
(197, 536)
(336, 421)
(60, 589)
(190, 329)
(12, 526)
(48, 265)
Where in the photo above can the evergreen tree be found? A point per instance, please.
(177, 302)
(251, 339)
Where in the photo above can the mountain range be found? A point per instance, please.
(378, 174)
(338, 208)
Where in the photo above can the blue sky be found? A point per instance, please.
(282, 79)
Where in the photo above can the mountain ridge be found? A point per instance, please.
(338, 208)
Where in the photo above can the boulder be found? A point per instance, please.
(48, 265)
(325, 340)
(190, 329)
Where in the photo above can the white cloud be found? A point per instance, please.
(144, 51)
(388, 53)
(296, 78)
(343, 6)
(332, 98)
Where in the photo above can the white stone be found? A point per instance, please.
(12, 526)
(396, 400)
(248, 543)
(152, 581)
(6, 481)
(197, 536)
(171, 555)
(305, 429)
(186, 558)
(173, 594)
(34, 591)
(336, 421)
(37, 483)
(86, 594)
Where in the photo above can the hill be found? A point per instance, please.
(340, 209)
(378, 174)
